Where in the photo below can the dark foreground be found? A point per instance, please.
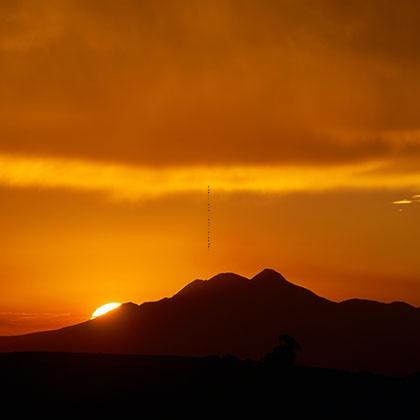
(67, 385)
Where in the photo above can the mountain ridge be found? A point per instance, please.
(231, 314)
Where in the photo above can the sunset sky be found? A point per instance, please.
(115, 116)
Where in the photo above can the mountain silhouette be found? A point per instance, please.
(231, 314)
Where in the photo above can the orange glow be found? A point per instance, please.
(104, 309)
(133, 183)
(302, 117)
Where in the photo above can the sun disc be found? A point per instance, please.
(104, 309)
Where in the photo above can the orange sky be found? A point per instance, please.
(115, 116)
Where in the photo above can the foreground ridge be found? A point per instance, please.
(231, 314)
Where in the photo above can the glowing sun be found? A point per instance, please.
(104, 309)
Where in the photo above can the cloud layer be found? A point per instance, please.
(210, 83)
(138, 182)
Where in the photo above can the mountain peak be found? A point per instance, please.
(227, 277)
(221, 279)
(232, 281)
(268, 274)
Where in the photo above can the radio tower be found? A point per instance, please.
(208, 217)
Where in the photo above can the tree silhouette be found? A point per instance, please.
(284, 355)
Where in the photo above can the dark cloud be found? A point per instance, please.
(163, 82)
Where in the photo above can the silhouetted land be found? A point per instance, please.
(68, 384)
(230, 314)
